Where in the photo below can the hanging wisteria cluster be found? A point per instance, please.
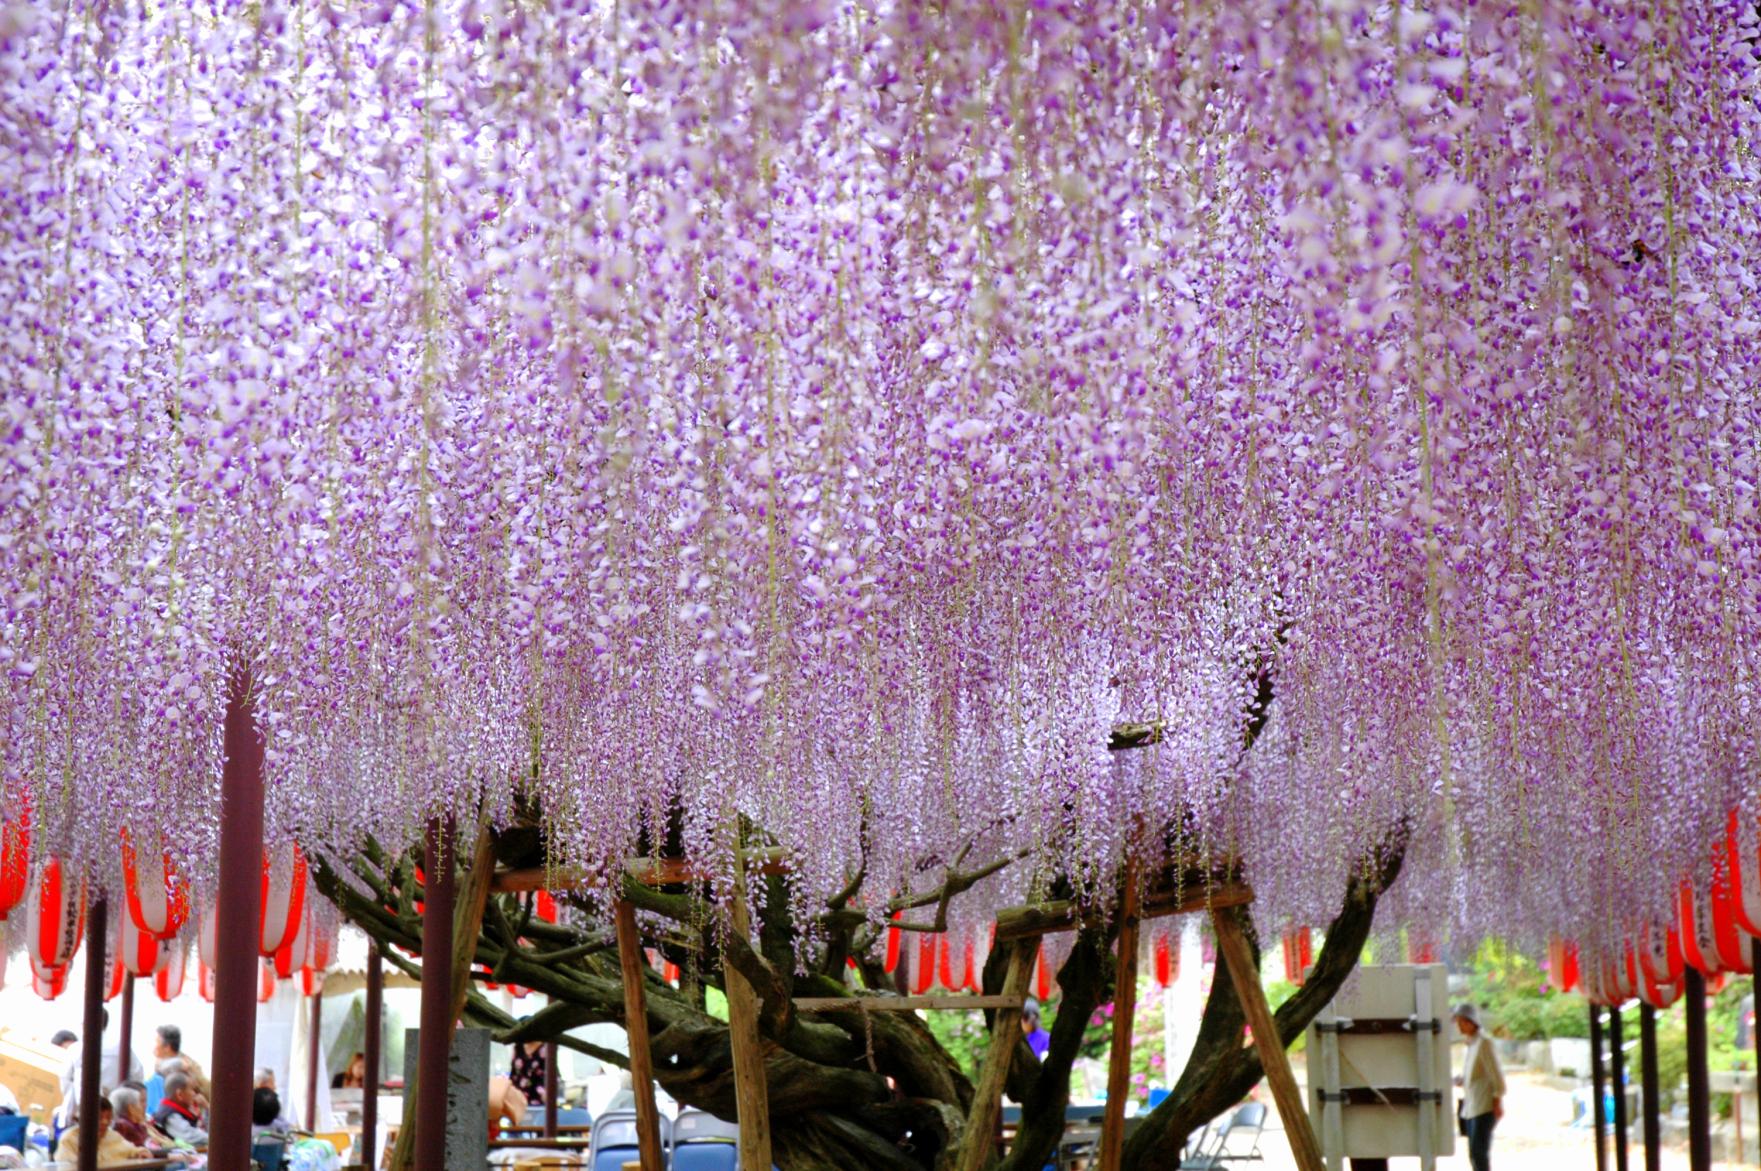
(840, 416)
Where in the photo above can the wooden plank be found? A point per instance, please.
(976, 1147)
(1124, 1014)
(905, 1003)
(633, 969)
(1035, 920)
(1273, 1059)
(751, 1094)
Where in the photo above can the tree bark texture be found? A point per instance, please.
(828, 1071)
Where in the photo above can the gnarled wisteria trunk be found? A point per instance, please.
(846, 1088)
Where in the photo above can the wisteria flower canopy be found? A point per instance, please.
(838, 417)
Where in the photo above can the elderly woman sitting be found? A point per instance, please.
(132, 1123)
(112, 1147)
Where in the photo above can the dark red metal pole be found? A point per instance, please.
(92, 1042)
(370, 1049)
(313, 1049)
(128, 1027)
(238, 933)
(435, 1039)
(1598, 1110)
(550, 1090)
(1617, 1076)
(1699, 1077)
(1652, 1114)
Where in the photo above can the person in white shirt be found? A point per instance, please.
(1482, 1088)
(68, 1113)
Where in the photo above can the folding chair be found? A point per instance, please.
(703, 1142)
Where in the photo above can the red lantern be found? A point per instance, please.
(1660, 955)
(158, 897)
(1420, 949)
(1562, 964)
(284, 896)
(923, 973)
(1299, 954)
(48, 982)
(114, 971)
(311, 982)
(1167, 962)
(1733, 945)
(15, 857)
(142, 952)
(891, 964)
(323, 944)
(1699, 948)
(1042, 975)
(265, 981)
(295, 953)
(205, 981)
(206, 938)
(544, 906)
(55, 918)
(173, 960)
(1744, 860)
(954, 980)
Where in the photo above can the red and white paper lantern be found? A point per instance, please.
(142, 952)
(48, 982)
(923, 972)
(158, 897)
(284, 896)
(173, 962)
(1743, 851)
(15, 857)
(295, 953)
(55, 917)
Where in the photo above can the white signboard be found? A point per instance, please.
(1379, 1074)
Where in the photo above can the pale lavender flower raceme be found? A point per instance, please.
(843, 415)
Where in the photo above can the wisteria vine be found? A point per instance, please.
(834, 418)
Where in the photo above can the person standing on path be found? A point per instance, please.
(1482, 1088)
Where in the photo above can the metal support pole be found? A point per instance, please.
(127, 1024)
(1598, 1113)
(1653, 1122)
(1617, 1076)
(1699, 1088)
(237, 933)
(370, 1049)
(313, 1050)
(550, 1090)
(435, 1039)
(92, 1042)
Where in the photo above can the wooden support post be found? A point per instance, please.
(987, 1098)
(375, 1009)
(1273, 1059)
(751, 1094)
(1617, 1079)
(551, 1091)
(1650, 1110)
(1598, 1111)
(636, 1027)
(314, 1053)
(1699, 1077)
(91, 1043)
(237, 933)
(1124, 1013)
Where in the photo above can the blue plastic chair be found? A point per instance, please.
(573, 1116)
(614, 1140)
(269, 1156)
(14, 1129)
(703, 1142)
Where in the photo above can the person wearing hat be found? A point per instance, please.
(1482, 1088)
(1038, 1039)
